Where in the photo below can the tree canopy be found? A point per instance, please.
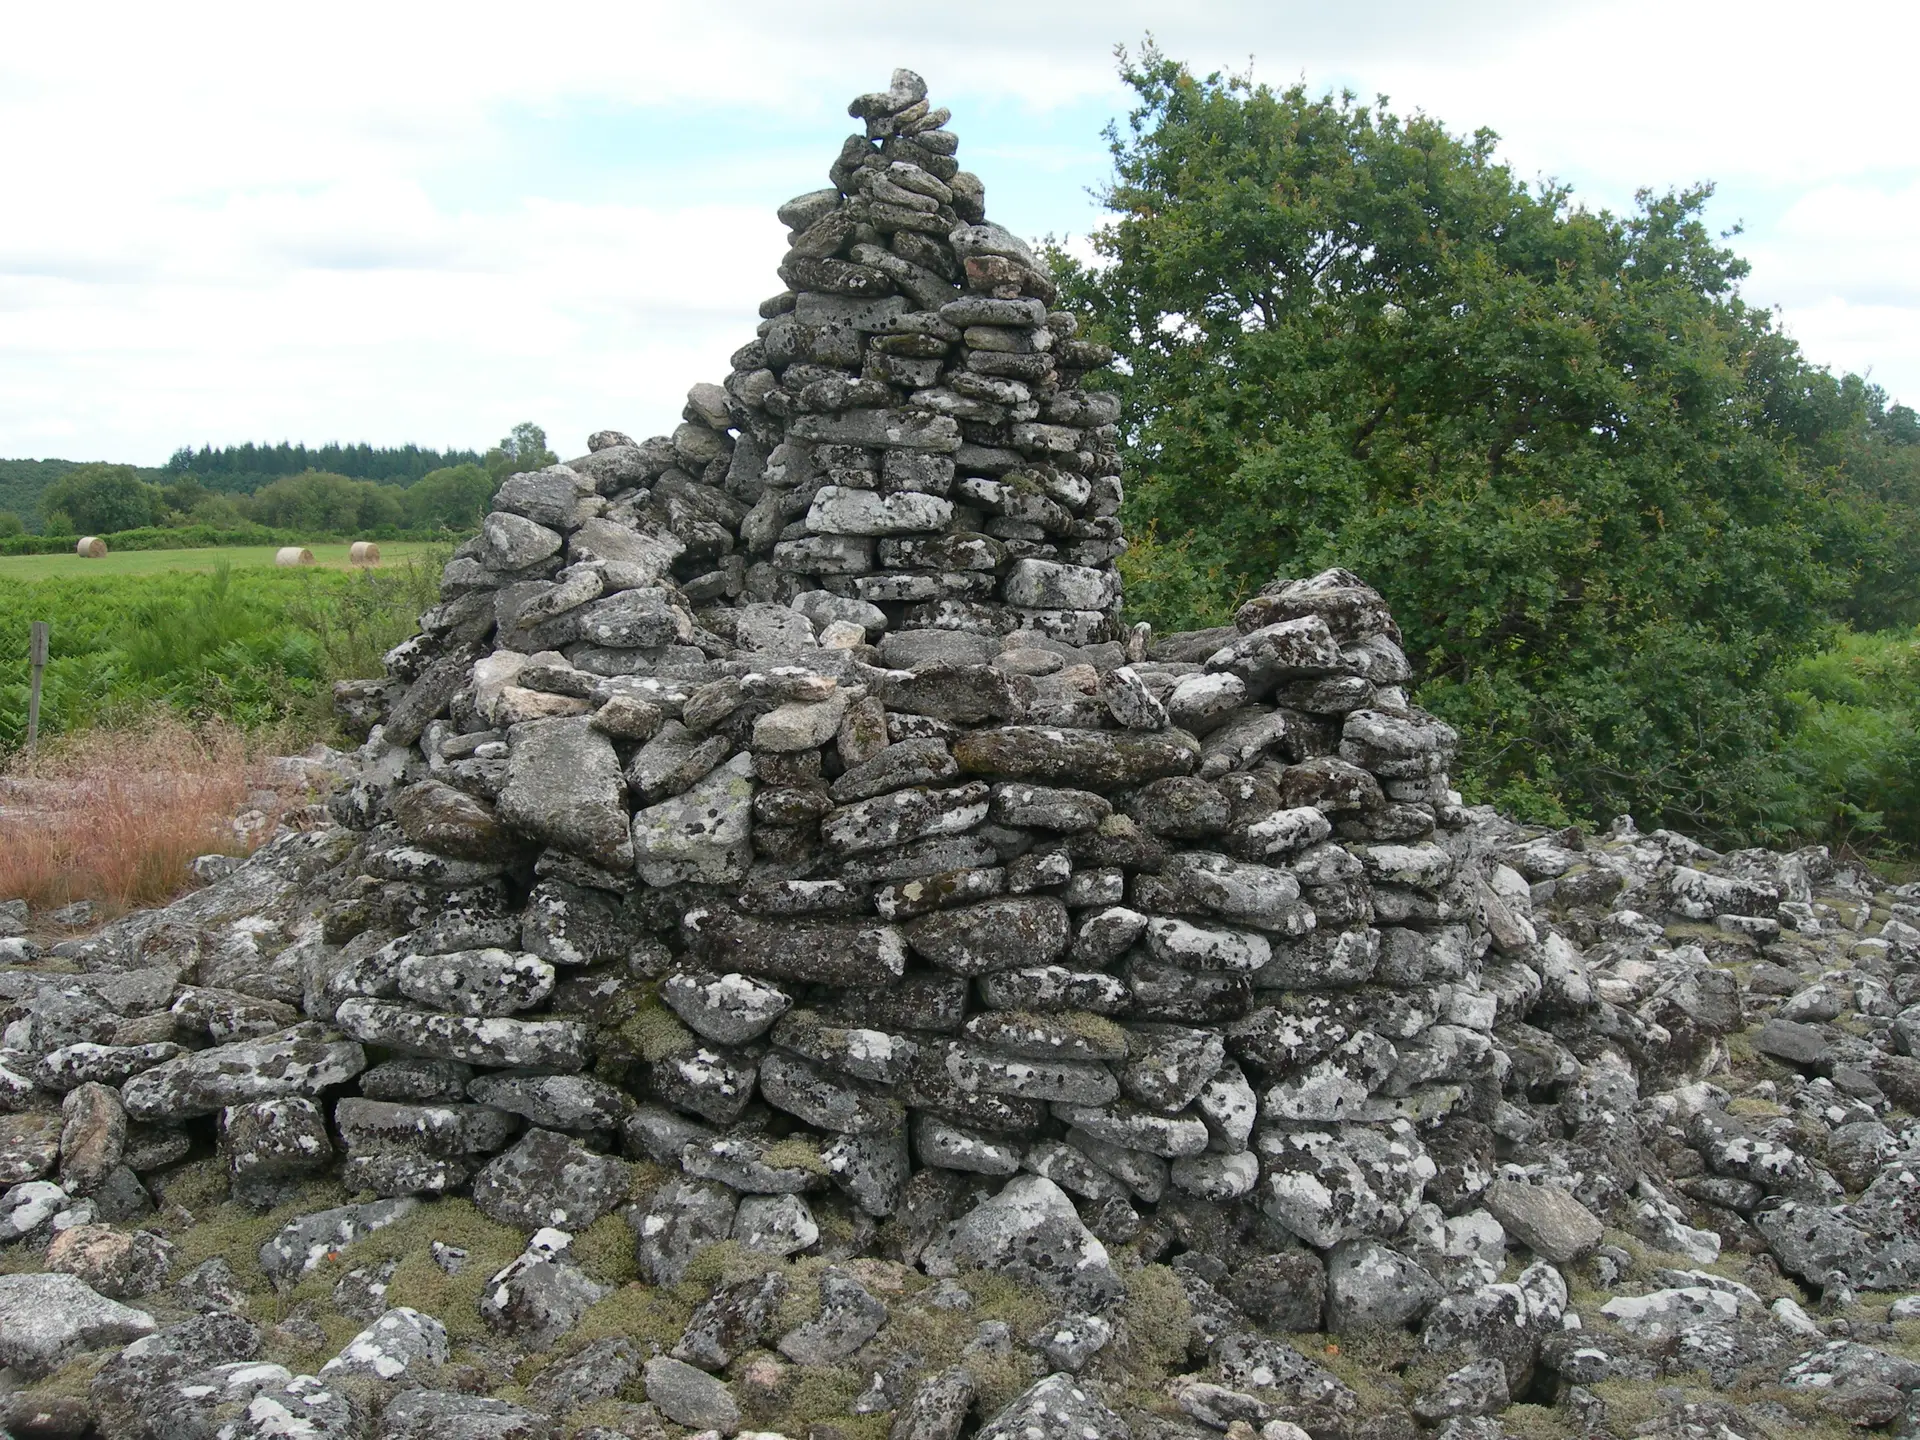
(1605, 495)
(329, 504)
(99, 499)
(454, 498)
(245, 468)
(523, 448)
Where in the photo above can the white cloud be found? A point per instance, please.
(234, 221)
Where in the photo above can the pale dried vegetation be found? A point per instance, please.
(116, 815)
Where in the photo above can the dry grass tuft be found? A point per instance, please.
(115, 815)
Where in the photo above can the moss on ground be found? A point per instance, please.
(801, 1303)
(235, 1232)
(1097, 1030)
(71, 1380)
(825, 1394)
(418, 1281)
(1631, 1403)
(1152, 1324)
(605, 1250)
(1024, 1307)
(722, 1263)
(937, 1338)
(22, 1260)
(1538, 1422)
(1371, 1363)
(601, 1414)
(648, 1316)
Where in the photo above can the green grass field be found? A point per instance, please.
(155, 562)
(215, 634)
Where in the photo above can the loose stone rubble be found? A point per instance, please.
(788, 960)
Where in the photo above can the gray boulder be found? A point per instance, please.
(302, 1244)
(686, 1216)
(541, 1295)
(777, 1225)
(728, 1009)
(306, 1406)
(938, 1408)
(451, 1415)
(1057, 1408)
(1370, 1287)
(732, 1319)
(1544, 1218)
(477, 982)
(1030, 1231)
(45, 1320)
(690, 1397)
(497, 1041)
(273, 1139)
(396, 1343)
(564, 786)
(119, 1265)
(597, 1372)
(1476, 1389)
(555, 1102)
(549, 1179)
(296, 1062)
(702, 835)
(848, 1318)
(513, 542)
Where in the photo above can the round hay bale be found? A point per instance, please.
(364, 552)
(293, 555)
(91, 547)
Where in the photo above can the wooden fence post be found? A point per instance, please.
(37, 657)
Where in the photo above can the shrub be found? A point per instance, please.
(1847, 772)
(115, 816)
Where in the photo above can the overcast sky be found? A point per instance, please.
(391, 223)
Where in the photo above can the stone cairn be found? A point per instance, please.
(783, 803)
(793, 773)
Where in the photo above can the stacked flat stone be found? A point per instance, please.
(913, 431)
(792, 772)
(1189, 916)
(906, 443)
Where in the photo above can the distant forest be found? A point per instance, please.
(362, 489)
(243, 469)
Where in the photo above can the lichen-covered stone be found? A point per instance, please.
(472, 1039)
(564, 786)
(296, 1063)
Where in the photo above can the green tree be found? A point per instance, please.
(182, 494)
(523, 449)
(100, 499)
(11, 524)
(1557, 439)
(326, 504)
(219, 512)
(454, 498)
